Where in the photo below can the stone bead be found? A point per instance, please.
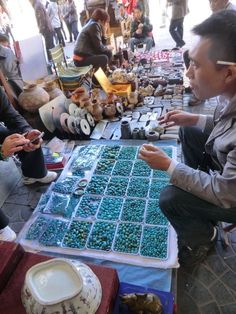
(88, 206)
(57, 204)
(154, 215)
(128, 238)
(128, 152)
(110, 152)
(122, 168)
(141, 169)
(102, 236)
(77, 235)
(154, 242)
(117, 186)
(97, 185)
(110, 208)
(156, 187)
(67, 185)
(104, 166)
(37, 228)
(133, 210)
(54, 233)
(138, 187)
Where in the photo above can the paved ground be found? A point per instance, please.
(206, 289)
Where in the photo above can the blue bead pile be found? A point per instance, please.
(110, 152)
(128, 238)
(58, 204)
(67, 185)
(102, 236)
(54, 233)
(160, 174)
(128, 153)
(117, 186)
(141, 169)
(110, 208)
(88, 206)
(154, 215)
(138, 187)
(122, 168)
(154, 242)
(133, 210)
(77, 235)
(104, 166)
(156, 187)
(37, 228)
(97, 185)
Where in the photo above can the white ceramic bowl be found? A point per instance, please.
(61, 286)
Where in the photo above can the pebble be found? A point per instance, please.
(141, 169)
(110, 208)
(88, 206)
(138, 187)
(128, 238)
(37, 228)
(117, 186)
(154, 242)
(104, 166)
(128, 152)
(97, 185)
(110, 152)
(133, 210)
(102, 236)
(77, 235)
(122, 168)
(154, 215)
(54, 233)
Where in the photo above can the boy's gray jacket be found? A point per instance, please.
(219, 187)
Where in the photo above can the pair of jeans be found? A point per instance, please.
(60, 37)
(48, 37)
(96, 61)
(74, 29)
(193, 218)
(146, 40)
(176, 30)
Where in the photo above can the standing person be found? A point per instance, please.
(140, 30)
(125, 23)
(5, 23)
(144, 5)
(203, 188)
(90, 46)
(129, 5)
(9, 66)
(65, 15)
(72, 17)
(176, 29)
(44, 24)
(15, 137)
(54, 16)
(218, 5)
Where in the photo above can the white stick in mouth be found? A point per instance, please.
(225, 62)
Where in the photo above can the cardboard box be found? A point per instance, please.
(117, 89)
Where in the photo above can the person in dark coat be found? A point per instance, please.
(72, 18)
(15, 137)
(44, 25)
(90, 48)
(140, 30)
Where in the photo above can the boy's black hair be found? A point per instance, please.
(220, 28)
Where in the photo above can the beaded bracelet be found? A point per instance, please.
(2, 157)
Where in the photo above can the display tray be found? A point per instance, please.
(105, 205)
(166, 298)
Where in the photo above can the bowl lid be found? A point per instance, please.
(54, 281)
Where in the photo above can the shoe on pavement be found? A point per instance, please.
(7, 234)
(189, 257)
(50, 177)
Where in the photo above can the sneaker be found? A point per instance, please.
(7, 234)
(50, 177)
(189, 257)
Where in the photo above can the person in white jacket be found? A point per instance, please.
(54, 16)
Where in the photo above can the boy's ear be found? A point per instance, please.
(231, 74)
